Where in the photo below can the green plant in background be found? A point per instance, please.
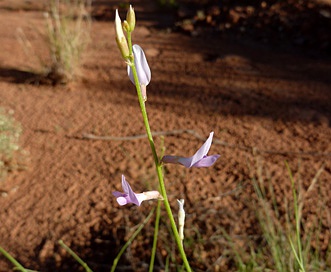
(68, 33)
(285, 244)
(10, 152)
(168, 3)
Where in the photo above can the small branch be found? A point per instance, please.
(135, 137)
(251, 149)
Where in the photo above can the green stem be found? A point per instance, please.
(130, 44)
(12, 260)
(134, 235)
(297, 221)
(158, 167)
(75, 256)
(156, 232)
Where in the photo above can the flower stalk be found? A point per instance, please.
(156, 233)
(140, 81)
(158, 167)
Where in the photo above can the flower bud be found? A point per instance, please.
(181, 218)
(126, 26)
(120, 38)
(131, 18)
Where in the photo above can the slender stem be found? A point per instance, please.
(156, 232)
(129, 43)
(297, 221)
(134, 235)
(17, 265)
(159, 169)
(75, 256)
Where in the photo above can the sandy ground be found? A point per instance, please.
(264, 104)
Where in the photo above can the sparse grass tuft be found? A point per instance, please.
(68, 25)
(10, 151)
(286, 242)
(68, 32)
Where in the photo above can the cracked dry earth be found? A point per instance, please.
(266, 106)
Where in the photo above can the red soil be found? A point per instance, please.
(262, 103)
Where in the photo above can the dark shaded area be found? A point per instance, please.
(279, 23)
(18, 76)
(233, 81)
(165, 18)
(100, 248)
(242, 102)
(98, 253)
(267, 27)
(12, 75)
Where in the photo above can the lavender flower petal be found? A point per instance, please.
(206, 161)
(203, 150)
(199, 159)
(143, 70)
(131, 197)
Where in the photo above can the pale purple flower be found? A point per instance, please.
(129, 196)
(199, 159)
(143, 71)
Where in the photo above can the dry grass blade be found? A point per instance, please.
(68, 29)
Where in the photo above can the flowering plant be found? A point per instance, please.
(140, 75)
